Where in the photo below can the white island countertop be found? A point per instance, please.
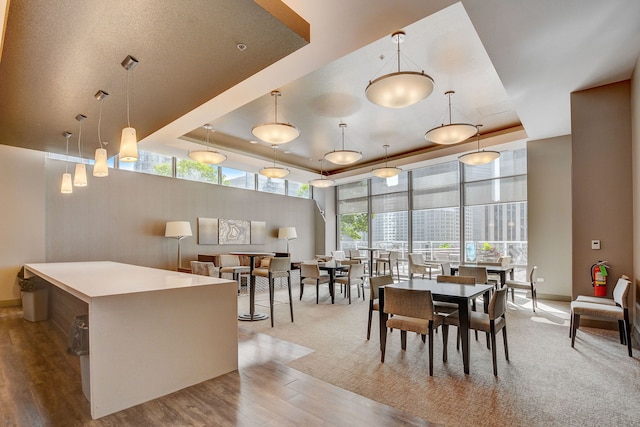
(87, 280)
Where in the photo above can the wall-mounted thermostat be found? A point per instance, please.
(595, 244)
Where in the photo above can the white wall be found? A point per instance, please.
(549, 214)
(635, 147)
(22, 224)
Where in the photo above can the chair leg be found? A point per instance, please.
(349, 292)
(628, 329)
(445, 339)
(384, 347)
(430, 348)
(370, 316)
(621, 330)
(504, 339)
(403, 340)
(290, 299)
(493, 348)
(317, 292)
(513, 300)
(574, 326)
(271, 291)
(301, 289)
(570, 324)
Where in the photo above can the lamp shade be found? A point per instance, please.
(451, 133)
(66, 187)
(80, 176)
(100, 168)
(275, 133)
(386, 171)
(401, 89)
(287, 233)
(128, 145)
(207, 157)
(479, 157)
(321, 182)
(343, 157)
(178, 229)
(274, 172)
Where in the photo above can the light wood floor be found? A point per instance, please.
(40, 386)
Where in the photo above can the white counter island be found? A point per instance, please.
(151, 331)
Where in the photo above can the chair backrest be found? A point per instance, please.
(229, 261)
(204, 268)
(532, 275)
(462, 280)
(323, 258)
(480, 273)
(356, 271)
(394, 255)
(310, 270)
(446, 268)
(621, 291)
(416, 259)
(350, 261)
(280, 264)
(504, 261)
(498, 303)
(354, 253)
(377, 281)
(338, 255)
(408, 302)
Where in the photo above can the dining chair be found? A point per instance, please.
(529, 286)
(391, 259)
(355, 276)
(445, 268)
(491, 323)
(278, 267)
(374, 287)
(619, 312)
(449, 307)
(310, 274)
(412, 312)
(338, 255)
(478, 272)
(230, 264)
(417, 265)
(204, 268)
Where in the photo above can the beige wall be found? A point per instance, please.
(549, 214)
(23, 215)
(635, 142)
(602, 186)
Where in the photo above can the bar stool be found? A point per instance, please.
(230, 264)
(279, 267)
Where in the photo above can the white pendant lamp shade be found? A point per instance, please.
(100, 168)
(477, 158)
(386, 171)
(321, 182)
(66, 187)
(452, 133)
(402, 88)
(274, 171)
(208, 157)
(343, 157)
(128, 140)
(128, 145)
(80, 175)
(275, 132)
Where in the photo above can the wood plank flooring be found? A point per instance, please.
(40, 386)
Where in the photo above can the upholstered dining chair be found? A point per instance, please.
(619, 312)
(204, 268)
(417, 265)
(278, 267)
(355, 276)
(374, 287)
(339, 255)
(412, 311)
(449, 307)
(354, 254)
(491, 323)
(478, 272)
(230, 264)
(529, 286)
(391, 259)
(310, 274)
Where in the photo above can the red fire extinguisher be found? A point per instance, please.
(599, 278)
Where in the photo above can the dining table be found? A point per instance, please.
(440, 291)
(493, 269)
(331, 267)
(252, 315)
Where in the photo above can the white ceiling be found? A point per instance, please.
(512, 63)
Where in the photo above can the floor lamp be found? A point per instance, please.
(178, 230)
(287, 233)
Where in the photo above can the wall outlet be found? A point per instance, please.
(595, 244)
(540, 280)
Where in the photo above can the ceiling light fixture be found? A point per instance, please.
(275, 132)
(321, 182)
(451, 133)
(402, 88)
(207, 156)
(80, 175)
(343, 157)
(274, 171)
(66, 187)
(129, 140)
(100, 168)
(479, 157)
(386, 171)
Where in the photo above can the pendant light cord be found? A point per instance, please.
(100, 123)
(80, 140)
(128, 120)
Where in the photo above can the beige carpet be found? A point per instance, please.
(545, 383)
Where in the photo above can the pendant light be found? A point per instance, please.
(274, 171)
(476, 158)
(100, 168)
(323, 181)
(386, 171)
(80, 175)
(275, 132)
(66, 187)
(451, 133)
(207, 156)
(402, 88)
(128, 141)
(343, 157)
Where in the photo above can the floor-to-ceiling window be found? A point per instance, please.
(353, 215)
(390, 213)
